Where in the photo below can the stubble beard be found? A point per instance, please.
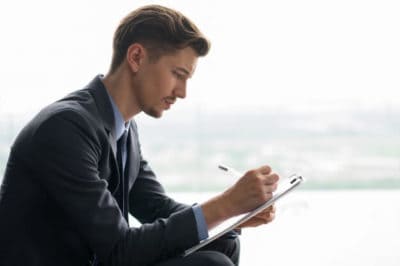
(153, 112)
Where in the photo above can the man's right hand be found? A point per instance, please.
(249, 192)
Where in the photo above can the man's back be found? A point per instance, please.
(34, 226)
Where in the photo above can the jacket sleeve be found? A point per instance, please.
(65, 155)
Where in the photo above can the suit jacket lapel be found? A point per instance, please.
(104, 107)
(133, 163)
(113, 143)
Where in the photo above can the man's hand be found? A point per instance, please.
(264, 217)
(249, 192)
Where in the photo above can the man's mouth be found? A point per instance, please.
(169, 102)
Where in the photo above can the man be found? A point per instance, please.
(76, 170)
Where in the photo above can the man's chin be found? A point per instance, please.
(154, 113)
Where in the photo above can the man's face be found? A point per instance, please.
(160, 83)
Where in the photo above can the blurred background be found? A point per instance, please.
(308, 87)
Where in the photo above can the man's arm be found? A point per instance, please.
(148, 200)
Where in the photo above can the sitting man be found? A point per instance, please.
(76, 170)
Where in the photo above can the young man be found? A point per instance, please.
(76, 170)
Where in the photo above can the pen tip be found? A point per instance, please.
(222, 167)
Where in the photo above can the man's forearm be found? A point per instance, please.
(216, 210)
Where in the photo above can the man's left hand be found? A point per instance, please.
(264, 217)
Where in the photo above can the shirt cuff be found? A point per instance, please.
(202, 229)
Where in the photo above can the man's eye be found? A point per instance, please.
(179, 76)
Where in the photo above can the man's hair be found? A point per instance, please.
(160, 30)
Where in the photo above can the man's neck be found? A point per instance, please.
(119, 86)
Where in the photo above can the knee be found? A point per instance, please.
(212, 258)
(230, 247)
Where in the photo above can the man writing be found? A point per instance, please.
(76, 170)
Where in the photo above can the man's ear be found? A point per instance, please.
(135, 55)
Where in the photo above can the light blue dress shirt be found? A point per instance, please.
(120, 128)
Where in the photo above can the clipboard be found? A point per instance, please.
(284, 187)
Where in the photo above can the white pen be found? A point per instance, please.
(230, 170)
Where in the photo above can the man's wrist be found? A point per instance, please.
(216, 210)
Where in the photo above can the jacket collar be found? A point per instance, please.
(104, 107)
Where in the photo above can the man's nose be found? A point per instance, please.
(180, 91)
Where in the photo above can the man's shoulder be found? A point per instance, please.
(85, 112)
(78, 105)
(90, 102)
(76, 111)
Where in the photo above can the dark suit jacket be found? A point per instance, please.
(56, 201)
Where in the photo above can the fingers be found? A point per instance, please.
(252, 190)
(266, 181)
(264, 217)
(270, 183)
(267, 175)
(265, 169)
(267, 215)
(271, 179)
(272, 208)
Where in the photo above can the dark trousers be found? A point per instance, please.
(221, 252)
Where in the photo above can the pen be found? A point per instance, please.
(230, 170)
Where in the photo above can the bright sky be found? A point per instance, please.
(279, 54)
